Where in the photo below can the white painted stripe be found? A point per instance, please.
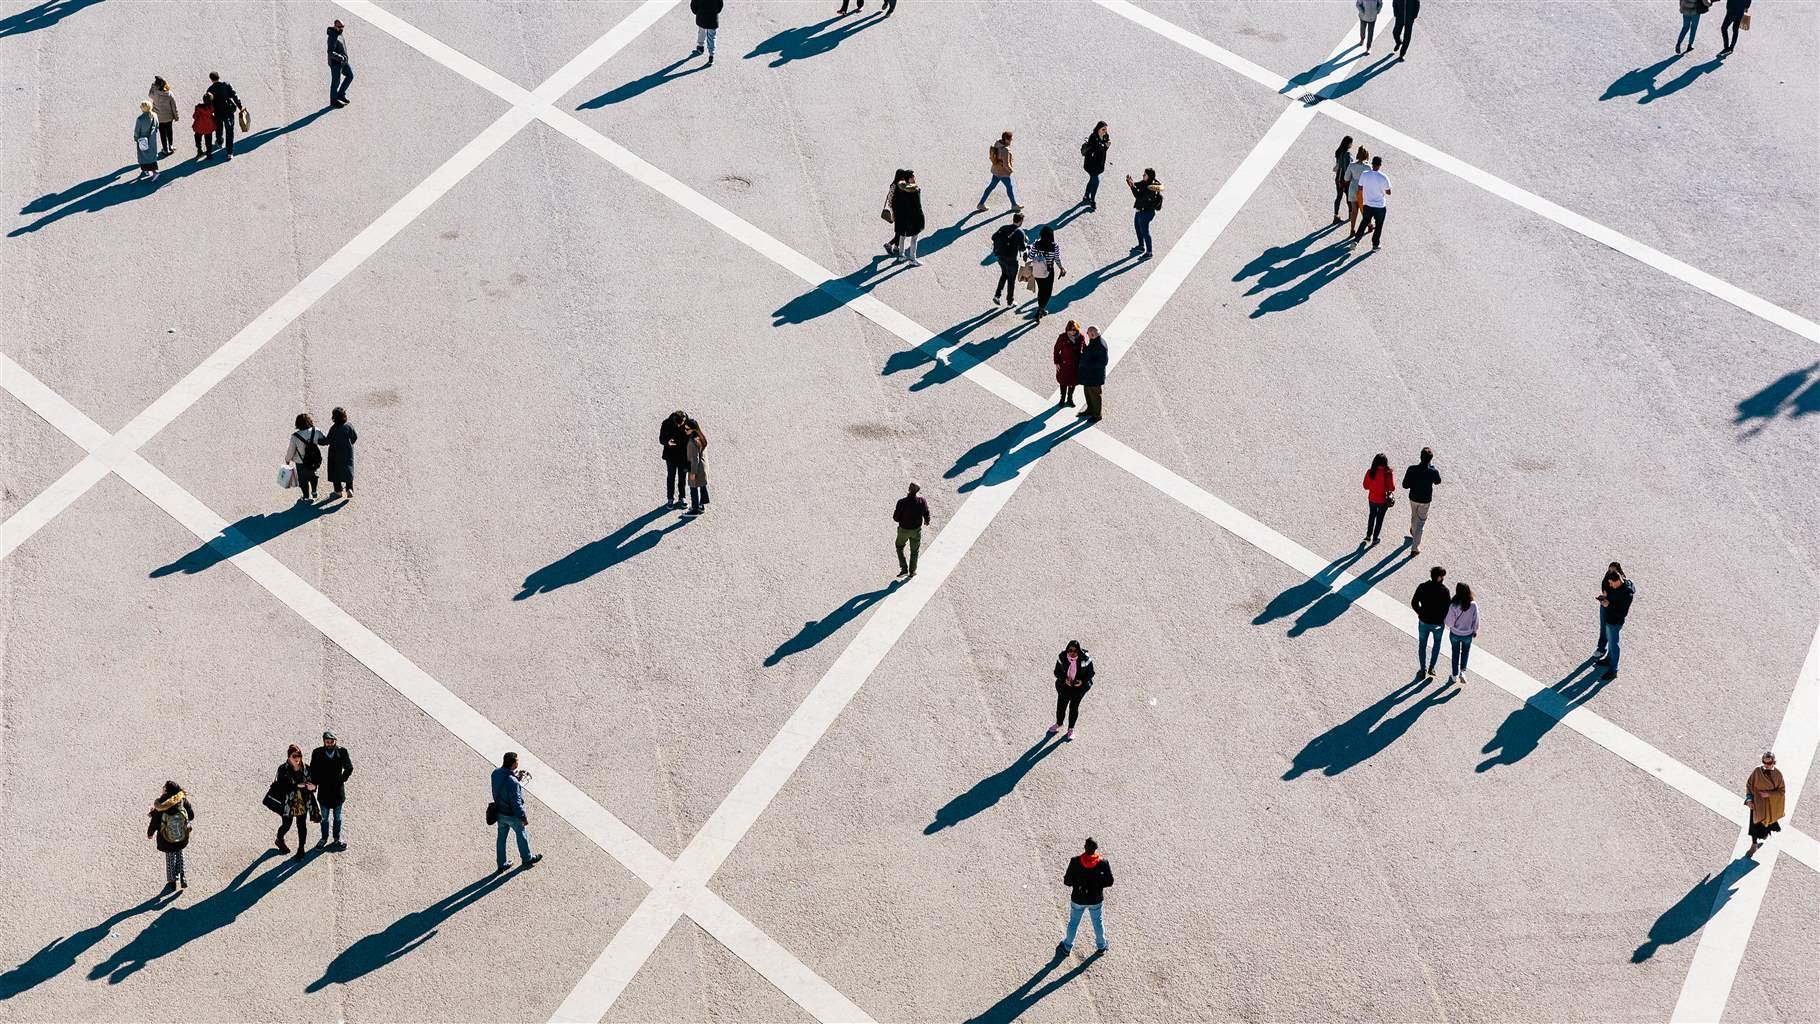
(60, 495)
(773, 961)
(1206, 48)
(1727, 932)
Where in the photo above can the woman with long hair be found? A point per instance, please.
(1462, 626)
(170, 816)
(1380, 494)
(1073, 678)
(1342, 159)
(906, 216)
(1045, 258)
(697, 448)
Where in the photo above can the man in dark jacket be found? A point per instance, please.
(1147, 200)
(1404, 11)
(911, 514)
(341, 73)
(1614, 607)
(222, 97)
(1728, 28)
(1430, 603)
(1088, 877)
(707, 23)
(1008, 245)
(675, 442)
(1092, 372)
(1419, 480)
(509, 802)
(330, 768)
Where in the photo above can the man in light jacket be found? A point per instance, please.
(999, 154)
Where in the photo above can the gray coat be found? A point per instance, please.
(145, 139)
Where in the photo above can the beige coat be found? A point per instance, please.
(164, 105)
(1000, 155)
(1768, 796)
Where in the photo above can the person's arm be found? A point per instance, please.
(1060, 667)
(925, 506)
(189, 811)
(347, 765)
(151, 824)
(1108, 866)
(1068, 876)
(1084, 674)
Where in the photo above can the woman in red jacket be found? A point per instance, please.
(1380, 494)
(1068, 346)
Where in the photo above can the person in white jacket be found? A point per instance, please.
(1368, 20)
(1462, 626)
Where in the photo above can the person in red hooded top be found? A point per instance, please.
(1088, 877)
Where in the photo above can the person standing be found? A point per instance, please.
(509, 801)
(170, 816)
(1380, 493)
(1767, 796)
(296, 795)
(1404, 11)
(707, 23)
(164, 107)
(1068, 346)
(1342, 158)
(1615, 596)
(1735, 12)
(673, 436)
(1690, 23)
(1087, 878)
(1073, 678)
(999, 156)
(226, 101)
(341, 73)
(1462, 626)
(202, 124)
(911, 514)
(305, 453)
(1419, 480)
(1360, 164)
(1092, 370)
(1147, 199)
(1008, 245)
(696, 447)
(145, 142)
(1374, 190)
(1430, 603)
(907, 216)
(341, 440)
(330, 768)
(1368, 20)
(1045, 258)
(1093, 161)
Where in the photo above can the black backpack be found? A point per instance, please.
(312, 454)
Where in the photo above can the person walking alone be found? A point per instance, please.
(1087, 878)
(1342, 158)
(1735, 13)
(509, 801)
(341, 73)
(999, 156)
(1616, 592)
(1008, 246)
(305, 452)
(1462, 626)
(707, 24)
(295, 797)
(1767, 796)
(330, 769)
(673, 437)
(1093, 161)
(697, 450)
(145, 142)
(1068, 346)
(1073, 678)
(1690, 23)
(1374, 191)
(1419, 480)
(1361, 162)
(1431, 603)
(911, 514)
(1368, 20)
(164, 107)
(1380, 493)
(1045, 258)
(226, 102)
(170, 816)
(341, 440)
(1092, 371)
(1404, 12)
(1147, 201)
(907, 216)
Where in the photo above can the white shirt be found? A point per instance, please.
(1375, 184)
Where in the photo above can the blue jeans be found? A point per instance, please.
(340, 76)
(1426, 658)
(1010, 193)
(328, 813)
(1689, 22)
(1093, 188)
(1462, 649)
(1142, 223)
(1608, 642)
(1074, 922)
(517, 825)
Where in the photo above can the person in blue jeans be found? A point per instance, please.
(1430, 603)
(1690, 22)
(1147, 199)
(999, 156)
(1462, 626)
(1087, 878)
(330, 768)
(509, 798)
(1616, 592)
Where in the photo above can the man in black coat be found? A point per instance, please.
(1404, 11)
(675, 442)
(1092, 374)
(1430, 604)
(341, 73)
(1008, 245)
(330, 768)
(707, 22)
(226, 102)
(1087, 878)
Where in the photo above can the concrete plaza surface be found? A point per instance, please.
(771, 782)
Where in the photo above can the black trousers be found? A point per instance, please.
(1728, 30)
(1044, 286)
(167, 132)
(1373, 221)
(303, 829)
(309, 483)
(1007, 280)
(1399, 36)
(676, 481)
(1374, 519)
(1068, 700)
(224, 131)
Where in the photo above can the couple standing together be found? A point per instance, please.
(685, 462)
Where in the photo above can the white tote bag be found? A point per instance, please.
(287, 476)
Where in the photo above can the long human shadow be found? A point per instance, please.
(1686, 78)
(1309, 590)
(1796, 393)
(836, 292)
(1521, 732)
(179, 926)
(958, 358)
(1641, 82)
(1368, 733)
(1296, 272)
(1357, 80)
(1691, 912)
(941, 238)
(1323, 69)
(1019, 1000)
(924, 354)
(988, 791)
(244, 535)
(629, 541)
(371, 952)
(95, 199)
(1012, 449)
(1333, 604)
(805, 41)
(42, 16)
(1087, 283)
(639, 86)
(60, 955)
(816, 630)
(1332, 264)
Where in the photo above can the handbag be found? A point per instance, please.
(1026, 275)
(145, 143)
(492, 812)
(274, 798)
(246, 119)
(315, 809)
(287, 476)
(885, 213)
(1744, 21)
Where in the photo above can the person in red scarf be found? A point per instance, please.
(1088, 877)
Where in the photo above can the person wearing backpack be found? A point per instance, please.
(1008, 245)
(170, 816)
(305, 452)
(1093, 161)
(1147, 200)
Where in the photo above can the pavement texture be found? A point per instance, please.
(1301, 828)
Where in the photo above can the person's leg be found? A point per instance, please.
(347, 79)
(916, 545)
(1074, 704)
(711, 34)
(284, 825)
(1418, 518)
(230, 134)
(1465, 654)
(991, 184)
(1728, 31)
(1061, 705)
(911, 255)
(1362, 25)
(170, 869)
(499, 853)
(1423, 632)
(303, 833)
(1011, 193)
(336, 811)
(1074, 924)
(1454, 655)
(1409, 29)
(1093, 189)
(1377, 226)
(168, 132)
(1687, 31)
(1045, 287)
(903, 537)
(1093, 401)
(1374, 520)
(1614, 631)
(1099, 929)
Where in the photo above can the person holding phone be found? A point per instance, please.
(509, 799)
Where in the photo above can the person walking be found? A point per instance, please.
(330, 769)
(1767, 796)
(1616, 592)
(885, 211)
(907, 216)
(1419, 480)
(673, 437)
(1093, 161)
(341, 440)
(305, 452)
(341, 73)
(1342, 158)
(202, 125)
(911, 514)
(1068, 346)
(1147, 200)
(295, 797)
(1092, 372)
(1008, 245)
(1374, 191)
(509, 802)
(1368, 20)
(1045, 258)
(696, 448)
(999, 156)
(707, 23)
(145, 142)
(164, 107)
(1430, 602)
(1462, 626)
(1380, 493)
(1087, 878)
(1361, 162)
(1404, 12)
(1073, 678)
(226, 102)
(1690, 23)
(170, 816)
(1736, 11)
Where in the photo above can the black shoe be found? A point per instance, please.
(695, 52)
(299, 854)
(529, 864)
(501, 869)
(282, 848)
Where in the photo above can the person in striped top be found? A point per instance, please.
(1045, 258)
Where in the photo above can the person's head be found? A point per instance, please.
(679, 417)
(1613, 579)
(1005, 138)
(1380, 461)
(909, 176)
(304, 420)
(171, 789)
(1615, 567)
(1428, 456)
(1363, 155)
(214, 76)
(1437, 574)
(338, 415)
(1769, 761)
(338, 27)
(510, 761)
(1093, 333)
(1072, 328)
(1377, 162)
(1462, 594)
(1017, 219)
(898, 176)
(294, 753)
(1099, 129)
(1346, 144)
(694, 430)
(1045, 237)
(1090, 846)
(328, 740)
(913, 488)
(160, 84)
(1074, 647)
(145, 107)
(1149, 174)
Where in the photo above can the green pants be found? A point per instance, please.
(914, 538)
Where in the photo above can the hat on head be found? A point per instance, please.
(327, 735)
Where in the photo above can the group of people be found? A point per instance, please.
(303, 456)
(1737, 15)
(212, 122)
(1360, 182)
(1080, 361)
(1403, 13)
(685, 451)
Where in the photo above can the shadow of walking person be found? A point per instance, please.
(179, 926)
(1786, 395)
(1010, 453)
(836, 292)
(988, 791)
(598, 556)
(816, 630)
(60, 955)
(805, 41)
(245, 535)
(1021, 999)
(640, 86)
(1368, 733)
(1333, 603)
(371, 952)
(44, 15)
(1309, 590)
(1521, 733)
(1691, 912)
